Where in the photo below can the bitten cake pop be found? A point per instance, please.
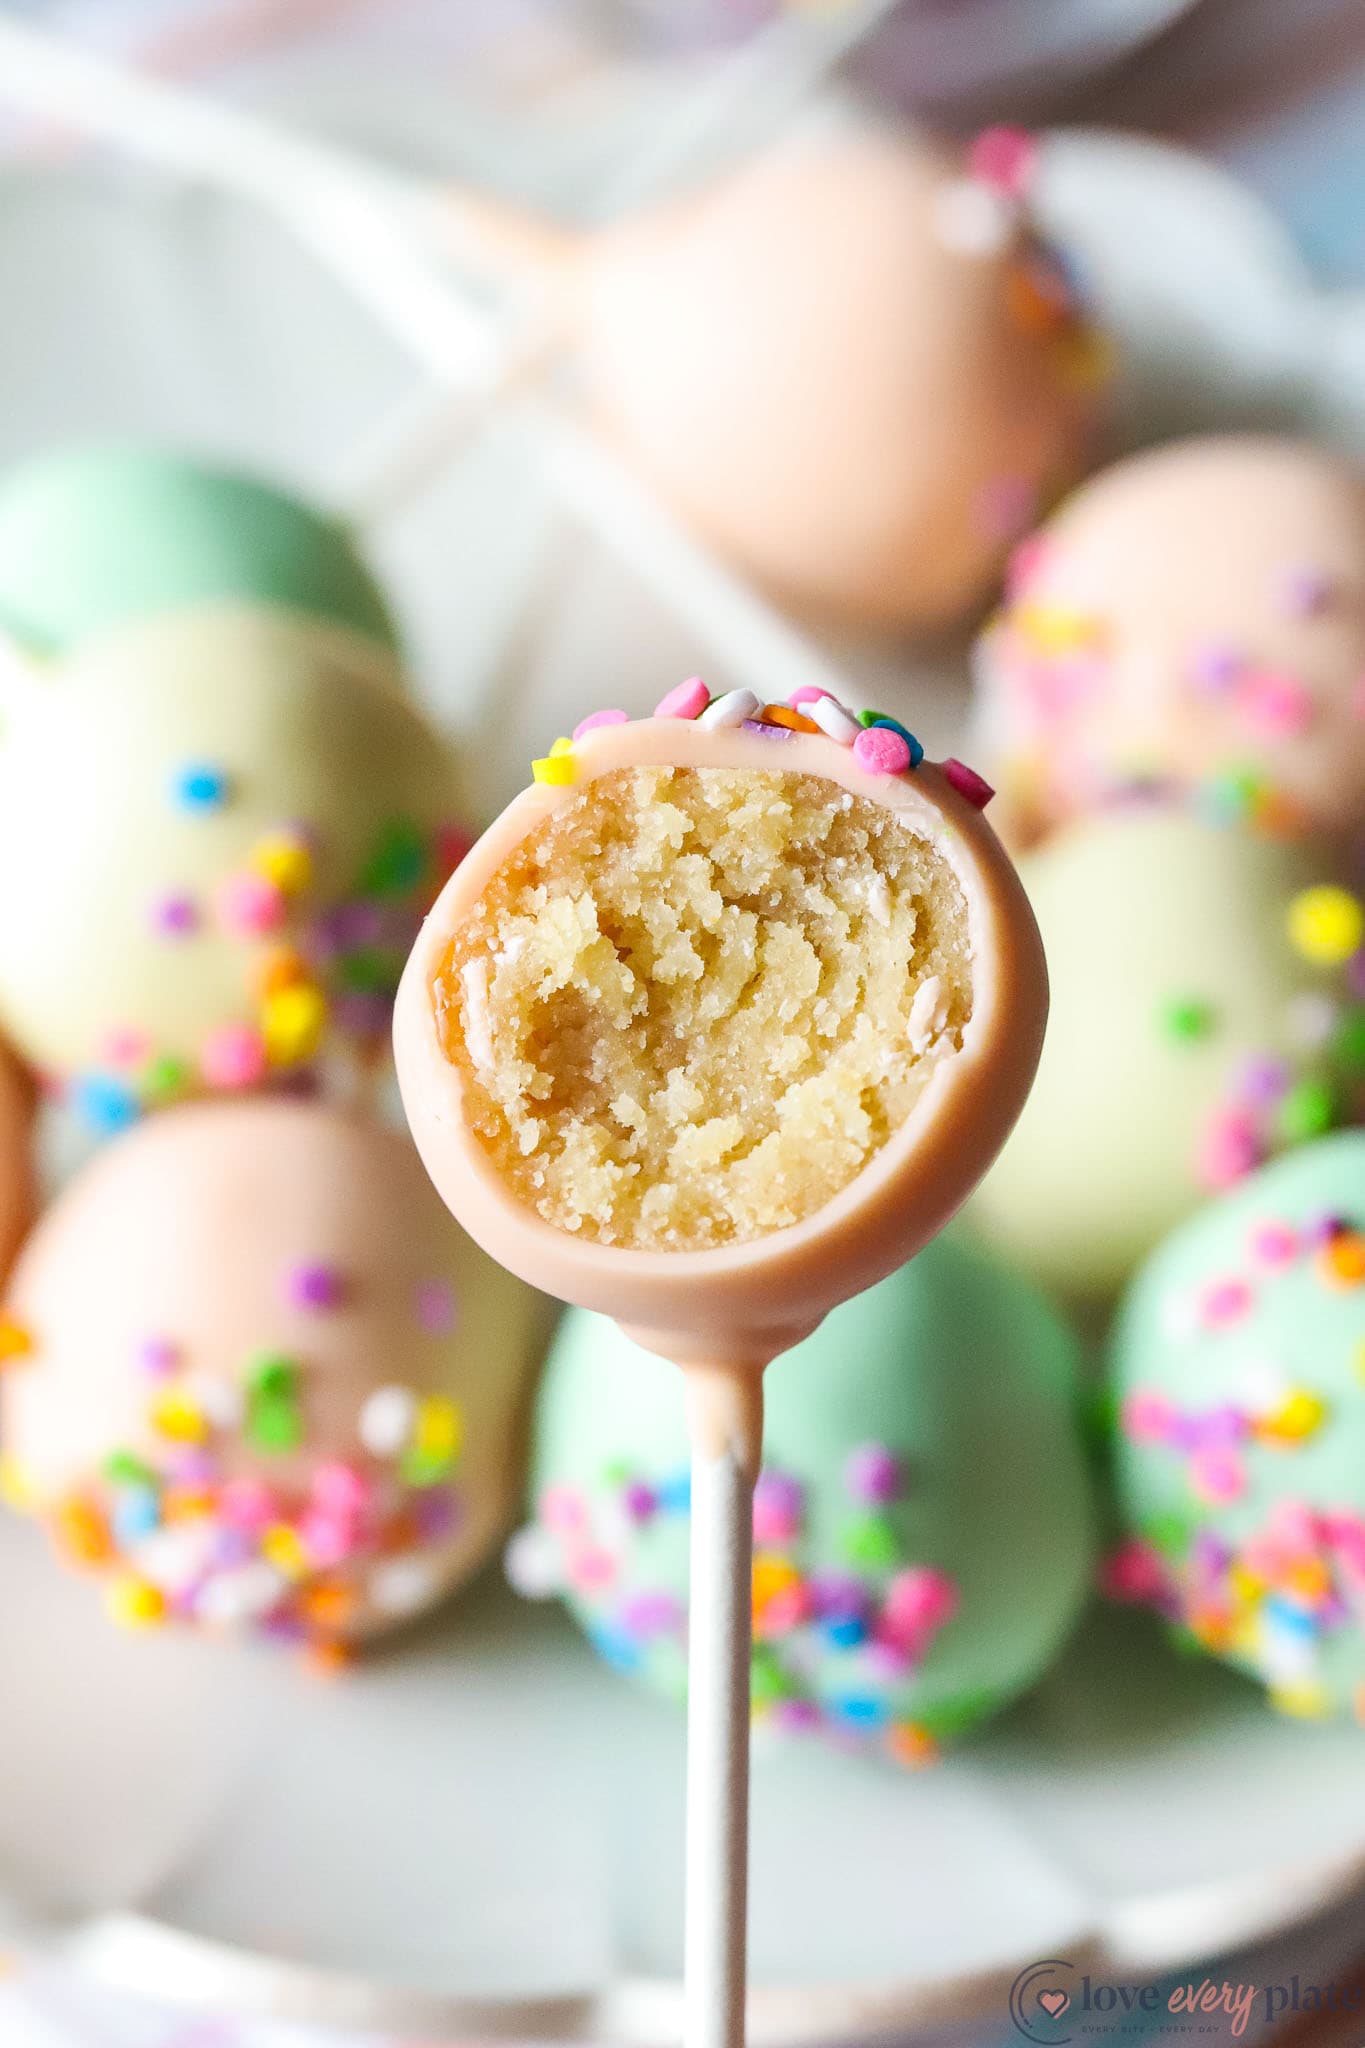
(92, 539)
(222, 833)
(1240, 1454)
(1208, 1009)
(1192, 621)
(922, 1522)
(259, 1379)
(715, 1027)
(16, 1159)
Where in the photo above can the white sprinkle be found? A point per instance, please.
(1311, 1020)
(219, 1400)
(731, 709)
(831, 717)
(531, 1562)
(972, 219)
(174, 1558)
(387, 1420)
(246, 1595)
(403, 1586)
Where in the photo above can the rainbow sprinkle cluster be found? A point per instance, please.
(193, 1523)
(880, 744)
(314, 971)
(838, 1642)
(1271, 1598)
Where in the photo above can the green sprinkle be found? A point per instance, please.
(1307, 1111)
(367, 972)
(1168, 1533)
(768, 1682)
(425, 1468)
(398, 863)
(166, 1077)
(273, 1377)
(871, 1542)
(274, 1424)
(125, 1468)
(1188, 1018)
(1348, 1045)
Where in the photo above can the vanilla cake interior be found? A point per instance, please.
(697, 1001)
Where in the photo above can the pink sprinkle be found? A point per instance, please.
(1226, 1302)
(1026, 559)
(158, 1356)
(590, 1571)
(126, 1047)
(339, 1489)
(1274, 1244)
(1147, 1417)
(1217, 1477)
(967, 783)
(1133, 1572)
(328, 1540)
(247, 1504)
(316, 1285)
(563, 1510)
(688, 700)
(783, 1611)
(1228, 1152)
(1306, 592)
(880, 751)
(249, 905)
(435, 1305)
(1004, 157)
(175, 917)
(233, 1057)
(918, 1599)
(1277, 706)
(809, 693)
(595, 719)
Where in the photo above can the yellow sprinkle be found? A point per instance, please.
(283, 1547)
(440, 1428)
(1306, 1702)
(1055, 629)
(1326, 925)
(773, 1575)
(293, 1020)
(1311, 1577)
(15, 1341)
(281, 968)
(178, 1417)
(1301, 1414)
(557, 766)
(132, 1603)
(1247, 1586)
(17, 1490)
(284, 859)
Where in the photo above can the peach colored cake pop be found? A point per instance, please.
(736, 996)
(261, 1380)
(850, 367)
(16, 1161)
(1192, 621)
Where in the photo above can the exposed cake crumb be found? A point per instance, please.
(696, 1002)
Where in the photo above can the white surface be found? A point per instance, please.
(378, 1851)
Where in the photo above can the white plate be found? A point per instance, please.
(482, 1831)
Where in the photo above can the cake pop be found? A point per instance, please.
(1240, 1425)
(714, 1028)
(922, 1523)
(1207, 1010)
(1191, 621)
(258, 1379)
(16, 1158)
(221, 833)
(95, 538)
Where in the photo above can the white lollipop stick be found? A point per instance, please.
(725, 1415)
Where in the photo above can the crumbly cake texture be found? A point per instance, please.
(696, 1002)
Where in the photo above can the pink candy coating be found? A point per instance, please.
(881, 751)
(595, 719)
(688, 700)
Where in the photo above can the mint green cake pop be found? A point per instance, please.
(922, 1524)
(97, 538)
(1239, 1379)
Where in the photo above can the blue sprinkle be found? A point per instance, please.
(616, 1647)
(675, 1492)
(1288, 1615)
(858, 1709)
(201, 787)
(894, 725)
(104, 1103)
(137, 1513)
(847, 1632)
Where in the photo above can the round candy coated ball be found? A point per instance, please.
(267, 1382)
(94, 538)
(922, 1523)
(857, 401)
(16, 1163)
(1188, 1039)
(1239, 1384)
(223, 833)
(1192, 620)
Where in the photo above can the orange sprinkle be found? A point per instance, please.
(912, 1745)
(81, 1533)
(328, 1605)
(15, 1342)
(1341, 1262)
(328, 1658)
(782, 714)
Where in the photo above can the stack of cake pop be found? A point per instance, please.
(251, 1376)
(1174, 690)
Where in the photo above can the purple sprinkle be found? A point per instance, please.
(436, 1310)
(651, 1614)
(1263, 1081)
(1210, 1554)
(362, 1013)
(191, 1466)
(874, 1474)
(839, 1596)
(316, 1286)
(1306, 592)
(797, 1716)
(439, 1513)
(779, 1493)
(767, 732)
(640, 1501)
(158, 1356)
(1216, 666)
(175, 917)
(232, 1547)
(1320, 1230)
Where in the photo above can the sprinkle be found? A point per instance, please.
(967, 783)
(1216, 666)
(82, 1533)
(283, 1549)
(104, 1103)
(249, 905)
(233, 1057)
(1311, 1020)
(879, 751)
(834, 721)
(1005, 157)
(912, 1745)
(1187, 1018)
(874, 1474)
(595, 720)
(531, 1562)
(1341, 1261)
(179, 1418)
(201, 786)
(1326, 925)
(134, 1604)
(175, 917)
(158, 1356)
(341, 1489)
(1274, 1244)
(1308, 1111)
(804, 694)
(971, 218)
(1277, 706)
(765, 730)
(782, 714)
(1224, 1303)
(1300, 1415)
(439, 1432)
(387, 1421)
(729, 710)
(877, 720)
(164, 1078)
(403, 1586)
(778, 1508)
(285, 861)
(274, 1425)
(1305, 592)
(687, 700)
(16, 1342)
(1217, 1477)
(315, 1285)
(435, 1308)
(557, 767)
(870, 1541)
(293, 1021)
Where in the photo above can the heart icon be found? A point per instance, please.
(1054, 2002)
